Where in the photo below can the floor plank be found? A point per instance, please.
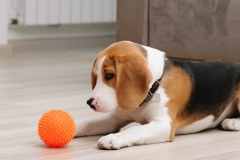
(33, 84)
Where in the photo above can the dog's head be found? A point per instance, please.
(120, 77)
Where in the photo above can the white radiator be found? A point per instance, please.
(54, 12)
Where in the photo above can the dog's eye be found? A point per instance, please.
(109, 76)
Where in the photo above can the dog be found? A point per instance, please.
(136, 83)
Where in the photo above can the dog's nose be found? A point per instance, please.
(89, 102)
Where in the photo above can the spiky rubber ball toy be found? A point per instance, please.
(56, 128)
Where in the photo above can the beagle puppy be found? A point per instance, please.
(135, 83)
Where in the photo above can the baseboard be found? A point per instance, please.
(18, 32)
(59, 44)
(6, 50)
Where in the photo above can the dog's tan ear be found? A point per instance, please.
(94, 80)
(93, 77)
(133, 79)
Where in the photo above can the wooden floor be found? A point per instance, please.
(33, 84)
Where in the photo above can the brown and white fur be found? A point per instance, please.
(124, 72)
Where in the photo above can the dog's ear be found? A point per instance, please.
(94, 80)
(133, 79)
(93, 77)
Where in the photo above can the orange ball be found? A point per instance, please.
(56, 128)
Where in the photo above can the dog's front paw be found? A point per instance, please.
(112, 141)
(231, 124)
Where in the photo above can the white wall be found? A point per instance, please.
(3, 22)
(22, 32)
(55, 12)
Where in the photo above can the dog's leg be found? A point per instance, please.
(105, 124)
(152, 132)
(234, 123)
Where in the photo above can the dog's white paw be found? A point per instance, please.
(231, 124)
(112, 141)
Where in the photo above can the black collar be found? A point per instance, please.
(152, 90)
